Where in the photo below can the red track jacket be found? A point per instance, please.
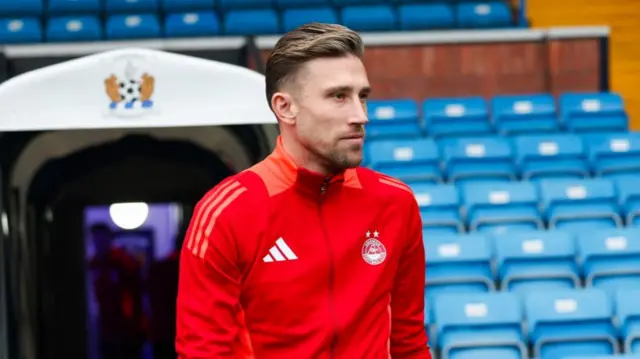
(283, 263)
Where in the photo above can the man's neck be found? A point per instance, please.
(303, 158)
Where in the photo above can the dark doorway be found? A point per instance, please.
(134, 169)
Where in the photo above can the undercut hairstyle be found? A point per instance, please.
(306, 43)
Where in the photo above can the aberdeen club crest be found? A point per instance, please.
(373, 251)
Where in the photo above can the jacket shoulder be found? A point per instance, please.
(377, 183)
(234, 195)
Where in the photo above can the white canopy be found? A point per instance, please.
(133, 88)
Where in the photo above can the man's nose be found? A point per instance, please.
(359, 115)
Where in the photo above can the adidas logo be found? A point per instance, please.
(280, 252)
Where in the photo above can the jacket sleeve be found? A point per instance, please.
(408, 333)
(209, 280)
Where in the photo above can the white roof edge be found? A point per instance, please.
(464, 36)
(88, 48)
(570, 32)
(268, 42)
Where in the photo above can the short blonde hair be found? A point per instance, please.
(306, 43)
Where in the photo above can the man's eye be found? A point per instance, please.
(339, 96)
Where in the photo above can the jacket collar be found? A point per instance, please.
(282, 173)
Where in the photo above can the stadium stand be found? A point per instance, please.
(536, 261)
(414, 160)
(458, 263)
(456, 116)
(629, 199)
(397, 118)
(628, 314)
(571, 322)
(524, 114)
(610, 258)
(73, 28)
(527, 202)
(480, 325)
(616, 156)
(125, 19)
(439, 208)
(501, 207)
(551, 156)
(478, 159)
(593, 112)
(121, 27)
(192, 24)
(580, 204)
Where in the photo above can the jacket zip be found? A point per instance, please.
(334, 340)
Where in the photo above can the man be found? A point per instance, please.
(118, 291)
(305, 255)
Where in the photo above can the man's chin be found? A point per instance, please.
(353, 161)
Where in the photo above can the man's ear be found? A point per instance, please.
(284, 107)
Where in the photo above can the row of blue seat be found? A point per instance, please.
(532, 261)
(560, 324)
(501, 207)
(498, 158)
(510, 114)
(245, 22)
(76, 7)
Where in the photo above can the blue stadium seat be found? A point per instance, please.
(21, 8)
(629, 200)
(73, 7)
(611, 356)
(524, 114)
(597, 112)
(427, 319)
(426, 16)
(480, 325)
(627, 310)
(176, 6)
(410, 160)
(456, 116)
(294, 18)
(478, 159)
(356, 2)
(580, 204)
(393, 118)
(501, 207)
(251, 22)
(74, 28)
(561, 156)
(536, 261)
(595, 138)
(611, 258)
(458, 264)
(228, 5)
(22, 30)
(490, 14)
(439, 208)
(192, 24)
(568, 323)
(131, 6)
(290, 4)
(369, 17)
(120, 27)
(617, 156)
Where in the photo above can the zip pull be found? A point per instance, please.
(323, 189)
